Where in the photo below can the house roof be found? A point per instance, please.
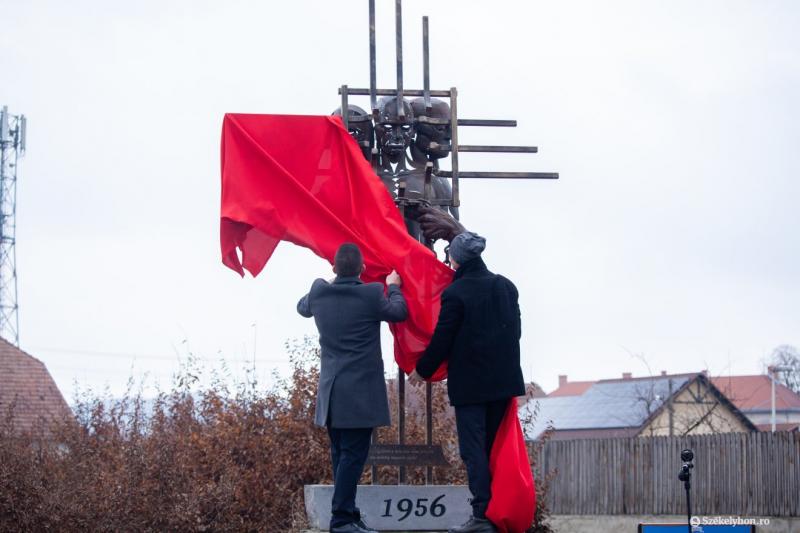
(789, 426)
(571, 388)
(606, 404)
(613, 404)
(754, 393)
(27, 387)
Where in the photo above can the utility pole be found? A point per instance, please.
(12, 148)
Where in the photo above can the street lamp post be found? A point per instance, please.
(772, 372)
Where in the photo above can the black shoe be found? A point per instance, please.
(351, 528)
(474, 525)
(360, 523)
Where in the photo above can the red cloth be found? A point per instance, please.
(513, 501)
(304, 180)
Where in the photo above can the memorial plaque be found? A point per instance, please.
(396, 507)
(406, 455)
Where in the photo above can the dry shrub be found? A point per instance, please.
(194, 459)
(542, 480)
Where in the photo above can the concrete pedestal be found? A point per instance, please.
(396, 507)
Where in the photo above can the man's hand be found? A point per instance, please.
(394, 279)
(415, 379)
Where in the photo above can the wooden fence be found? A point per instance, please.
(743, 474)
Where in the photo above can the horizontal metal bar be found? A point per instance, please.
(482, 122)
(441, 201)
(509, 149)
(393, 92)
(501, 175)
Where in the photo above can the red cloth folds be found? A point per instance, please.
(513, 502)
(304, 180)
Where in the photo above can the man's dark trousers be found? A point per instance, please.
(349, 450)
(477, 426)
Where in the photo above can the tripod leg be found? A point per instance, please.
(688, 507)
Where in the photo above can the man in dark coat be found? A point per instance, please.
(478, 334)
(351, 399)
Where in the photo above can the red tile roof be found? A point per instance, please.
(27, 387)
(753, 393)
(571, 388)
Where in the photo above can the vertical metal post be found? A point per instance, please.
(398, 21)
(375, 480)
(429, 426)
(426, 67)
(454, 143)
(401, 414)
(401, 377)
(772, 383)
(670, 410)
(427, 195)
(345, 109)
(373, 98)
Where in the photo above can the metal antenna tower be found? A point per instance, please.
(12, 148)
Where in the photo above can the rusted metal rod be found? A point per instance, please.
(426, 67)
(501, 175)
(345, 107)
(454, 140)
(487, 122)
(398, 28)
(393, 92)
(401, 415)
(373, 76)
(489, 148)
(429, 427)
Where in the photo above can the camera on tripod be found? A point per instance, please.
(685, 475)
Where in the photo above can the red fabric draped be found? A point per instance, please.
(513, 501)
(304, 180)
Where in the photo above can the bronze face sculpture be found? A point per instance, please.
(432, 141)
(359, 125)
(394, 133)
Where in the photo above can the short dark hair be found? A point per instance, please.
(348, 260)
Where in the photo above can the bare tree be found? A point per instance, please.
(787, 356)
(698, 406)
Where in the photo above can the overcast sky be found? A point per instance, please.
(672, 233)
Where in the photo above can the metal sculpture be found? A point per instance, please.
(411, 140)
(360, 128)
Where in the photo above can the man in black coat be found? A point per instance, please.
(478, 334)
(351, 398)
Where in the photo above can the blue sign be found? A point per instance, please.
(683, 528)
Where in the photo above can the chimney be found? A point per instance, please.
(663, 372)
(627, 375)
(562, 380)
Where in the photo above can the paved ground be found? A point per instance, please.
(628, 524)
